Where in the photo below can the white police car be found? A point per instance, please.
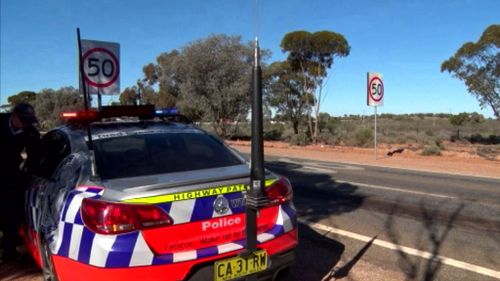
(152, 200)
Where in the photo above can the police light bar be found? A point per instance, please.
(166, 111)
(83, 116)
(141, 112)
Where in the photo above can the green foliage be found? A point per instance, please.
(460, 119)
(363, 137)
(328, 138)
(50, 103)
(129, 96)
(478, 65)
(285, 93)
(207, 79)
(327, 122)
(300, 139)
(145, 93)
(431, 150)
(273, 132)
(311, 55)
(22, 97)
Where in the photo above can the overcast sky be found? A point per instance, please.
(406, 41)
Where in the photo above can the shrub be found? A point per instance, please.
(300, 139)
(431, 150)
(328, 138)
(363, 137)
(439, 143)
(273, 134)
(273, 131)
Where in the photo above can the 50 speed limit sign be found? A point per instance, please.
(375, 89)
(101, 67)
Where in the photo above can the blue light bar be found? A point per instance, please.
(166, 111)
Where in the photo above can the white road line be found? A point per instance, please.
(407, 250)
(321, 170)
(397, 189)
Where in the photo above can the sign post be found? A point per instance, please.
(375, 97)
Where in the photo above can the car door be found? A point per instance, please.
(54, 148)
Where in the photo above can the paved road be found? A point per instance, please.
(427, 226)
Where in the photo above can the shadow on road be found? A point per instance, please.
(437, 224)
(342, 272)
(317, 256)
(317, 195)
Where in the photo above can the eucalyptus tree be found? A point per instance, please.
(313, 54)
(478, 65)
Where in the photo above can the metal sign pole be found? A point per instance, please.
(375, 138)
(80, 68)
(86, 101)
(99, 99)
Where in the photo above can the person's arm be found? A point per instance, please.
(32, 147)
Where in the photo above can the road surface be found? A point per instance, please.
(410, 225)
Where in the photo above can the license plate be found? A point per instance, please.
(240, 266)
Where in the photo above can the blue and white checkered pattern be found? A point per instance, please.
(73, 240)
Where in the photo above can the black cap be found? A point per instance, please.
(26, 114)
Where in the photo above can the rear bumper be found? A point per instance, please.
(278, 249)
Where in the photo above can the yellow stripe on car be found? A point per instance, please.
(195, 194)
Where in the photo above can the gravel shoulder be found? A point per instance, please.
(460, 163)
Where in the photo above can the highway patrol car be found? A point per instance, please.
(149, 199)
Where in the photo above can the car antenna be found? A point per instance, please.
(86, 101)
(254, 198)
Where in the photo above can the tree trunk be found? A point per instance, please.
(309, 121)
(295, 124)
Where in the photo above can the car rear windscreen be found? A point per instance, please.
(148, 154)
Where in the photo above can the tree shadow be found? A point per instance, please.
(433, 231)
(317, 195)
(317, 256)
(343, 271)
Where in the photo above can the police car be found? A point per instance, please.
(149, 199)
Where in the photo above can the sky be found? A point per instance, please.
(406, 41)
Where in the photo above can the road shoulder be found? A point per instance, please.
(434, 164)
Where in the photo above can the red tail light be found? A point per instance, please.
(113, 218)
(279, 192)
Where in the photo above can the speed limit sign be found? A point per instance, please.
(101, 67)
(375, 89)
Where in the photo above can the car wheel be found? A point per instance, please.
(47, 266)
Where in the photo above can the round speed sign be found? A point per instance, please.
(100, 67)
(376, 89)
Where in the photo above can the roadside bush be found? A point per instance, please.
(328, 138)
(300, 139)
(439, 143)
(431, 150)
(478, 138)
(273, 134)
(273, 131)
(363, 137)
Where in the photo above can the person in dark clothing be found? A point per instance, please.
(18, 135)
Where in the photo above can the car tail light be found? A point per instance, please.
(279, 192)
(113, 218)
